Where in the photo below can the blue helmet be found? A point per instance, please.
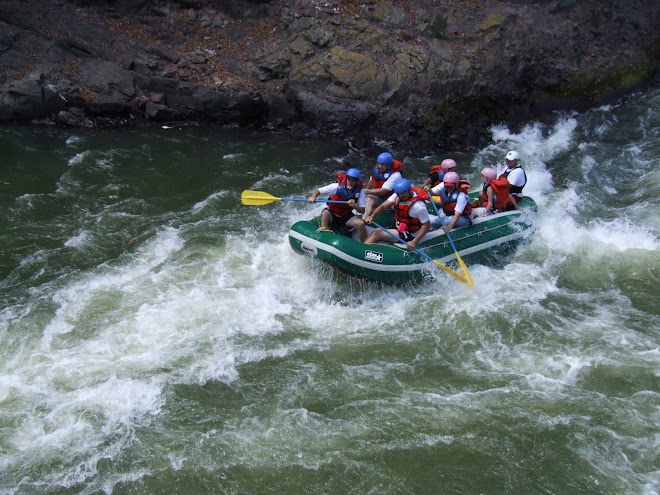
(385, 159)
(354, 172)
(401, 186)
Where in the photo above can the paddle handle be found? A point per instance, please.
(315, 201)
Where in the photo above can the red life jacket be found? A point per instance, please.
(342, 194)
(402, 210)
(501, 188)
(378, 178)
(449, 200)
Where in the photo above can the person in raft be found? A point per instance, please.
(455, 203)
(348, 188)
(412, 217)
(384, 175)
(438, 173)
(515, 174)
(494, 194)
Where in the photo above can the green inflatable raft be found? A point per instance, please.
(487, 240)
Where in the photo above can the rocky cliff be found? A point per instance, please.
(429, 72)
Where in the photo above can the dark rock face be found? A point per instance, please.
(421, 72)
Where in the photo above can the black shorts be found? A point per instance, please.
(340, 221)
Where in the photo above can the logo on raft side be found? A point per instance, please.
(373, 256)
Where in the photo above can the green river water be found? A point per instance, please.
(156, 336)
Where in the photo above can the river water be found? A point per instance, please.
(156, 336)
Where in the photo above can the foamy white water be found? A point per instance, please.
(157, 336)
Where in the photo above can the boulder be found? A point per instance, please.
(28, 99)
(164, 53)
(161, 113)
(104, 77)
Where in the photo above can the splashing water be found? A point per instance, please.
(155, 335)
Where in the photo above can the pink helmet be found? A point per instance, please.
(451, 178)
(447, 164)
(489, 173)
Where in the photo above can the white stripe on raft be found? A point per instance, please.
(400, 268)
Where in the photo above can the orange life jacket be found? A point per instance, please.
(501, 188)
(343, 194)
(402, 210)
(378, 178)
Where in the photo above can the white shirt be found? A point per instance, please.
(417, 210)
(391, 180)
(516, 177)
(461, 201)
(331, 189)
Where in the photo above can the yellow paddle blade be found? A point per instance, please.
(466, 272)
(254, 198)
(452, 272)
(466, 277)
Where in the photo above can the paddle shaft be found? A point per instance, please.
(422, 253)
(467, 276)
(315, 201)
(437, 212)
(258, 198)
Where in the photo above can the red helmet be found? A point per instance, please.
(448, 164)
(489, 173)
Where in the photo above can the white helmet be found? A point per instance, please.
(512, 155)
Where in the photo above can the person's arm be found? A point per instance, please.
(436, 192)
(424, 229)
(427, 185)
(457, 215)
(388, 187)
(461, 203)
(355, 206)
(370, 186)
(419, 211)
(381, 192)
(382, 207)
(360, 204)
(325, 191)
(433, 178)
(514, 202)
(489, 205)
